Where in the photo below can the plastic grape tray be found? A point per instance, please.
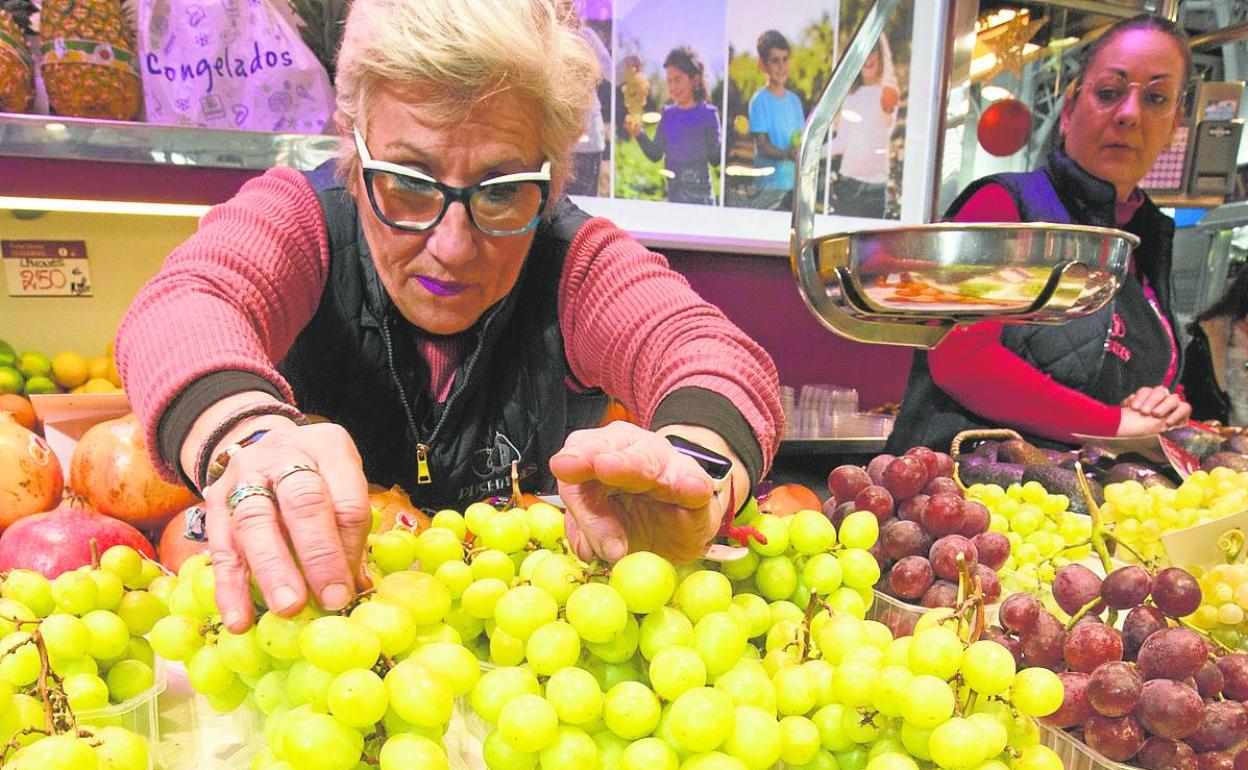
(1075, 754)
(137, 714)
(901, 617)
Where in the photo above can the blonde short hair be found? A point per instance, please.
(457, 53)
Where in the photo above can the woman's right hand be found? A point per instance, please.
(1158, 402)
(304, 527)
(1133, 423)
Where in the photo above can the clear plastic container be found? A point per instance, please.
(139, 715)
(1075, 754)
(194, 735)
(901, 617)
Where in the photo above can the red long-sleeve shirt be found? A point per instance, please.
(237, 293)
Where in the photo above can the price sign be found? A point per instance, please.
(46, 268)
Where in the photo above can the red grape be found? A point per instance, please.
(1126, 587)
(942, 485)
(1141, 623)
(944, 515)
(1224, 727)
(1215, 760)
(1075, 709)
(1170, 709)
(1234, 668)
(880, 555)
(1176, 592)
(904, 477)
(911, 577)
(1019, 612)
(1091, 643)
(926, 456)
(941, 594)
(875, 499)
(1118, 738)
(977, 518)
(944, 465)
(1043, 645)
(944, 555)
(1074, 586)
(1241, 759)
(875, 468)
(989, 583)
(846, 481)
(1209, 680)
(911, 509)
(841, 511)
(905, 538)
(1173, 653)
(1114, 689)
(1159, 753)
(993, 548)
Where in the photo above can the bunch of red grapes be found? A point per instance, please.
(1150, 694)
(925, 525)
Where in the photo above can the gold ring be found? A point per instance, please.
(244, 491)
(292, 469)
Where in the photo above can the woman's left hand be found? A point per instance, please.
(628, 489)
(1160, 403)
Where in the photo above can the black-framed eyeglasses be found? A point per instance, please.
(406, 199)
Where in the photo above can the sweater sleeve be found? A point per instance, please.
(634, 327)
(233, 297)
(974, 368)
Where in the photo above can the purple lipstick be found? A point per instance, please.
(441, 288)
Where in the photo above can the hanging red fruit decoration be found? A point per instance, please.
(1004, 127)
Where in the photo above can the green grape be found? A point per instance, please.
(449, 518)
(149, 571)
(508, 531)
(662, 628)
(31, 589)
(622, 648)
(120, 749)
(391, 551)
(891, 760)
(860, 728)
(270, 691)
(204, 587)
(1036, 692)
(937, 651)
(231, 698)
(702, 593)
(915, 740)
(993, 734)
(928, 702)
(776, 531)
(336, 643)
(823, 573)
(454, 662)
(392, 623)
(123, 561)
(631, 710)
(128, 679)
(838, 635)
(720, 639)
(437, 545)
(481, 598)
(676, 669)
(878, 634)
(757, 613)
(747, 683)
(476, 515)
(742, 568)
(571, 749)
(505, 649)
(545, 524)
(796, 692)
(645, 581)
(558, 575)
(755, 737)
(418, 695)
(799, 740)
(523, 609)
(75, 593)
(649, 754)
(892, 684)
(820, 671)
(432, 634)
(988, 668)
(279, 636)
(320, 742)
(85, 692)
(810, 533)
(956, 744)
(498, 755)
(20, 664)
(422, 594)
(108, 588)
(456, 576)
(830, 721)
(861, 570)
(206, 673)
(860, 529)
(65, 636)
(575, 695)
(552, 647)
(498, 686)
(597, 612)
(1037, 758)
(305, 683)
(55, 752)
(701, 718)
(493, 563)
(358, 698)
(140, 610)
(242, 653)
(776, 577)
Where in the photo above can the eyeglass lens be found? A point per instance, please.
(416, 203)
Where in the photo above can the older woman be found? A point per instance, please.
(437, 299)
(1111, 373)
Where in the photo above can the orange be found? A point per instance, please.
(20, 408)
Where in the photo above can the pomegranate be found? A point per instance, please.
(174, 546)
(788, 499)
(395, 507)
(30, 475)
(110, 467)
(60, 540)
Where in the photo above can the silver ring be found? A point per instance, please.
(244, 491)
(292, 469)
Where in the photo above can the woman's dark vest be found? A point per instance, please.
(1200, 385)
(1073, 353)
(356, 364)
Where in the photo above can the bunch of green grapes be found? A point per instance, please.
(1223, 611)
(1044, 534)
(1138, 515)
(70, 647)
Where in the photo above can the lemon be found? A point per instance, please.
(98, 385)
(40, 384)
(69, 369)
(32, 363)
(8, 356)
(97, 368)
(11, 380)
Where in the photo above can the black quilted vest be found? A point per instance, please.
(356, 364)
(1073, 353)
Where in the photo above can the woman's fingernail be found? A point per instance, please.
(232, 619)
(335, 596)
(614, 549)
(284, 598)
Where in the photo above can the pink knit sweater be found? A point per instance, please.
(236, 294)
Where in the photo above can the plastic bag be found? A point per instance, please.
(229, 64)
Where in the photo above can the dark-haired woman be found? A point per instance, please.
(1110, 373)
(1215, 369)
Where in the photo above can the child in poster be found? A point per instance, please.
(687, 137)
(776, 120)
(864, 130)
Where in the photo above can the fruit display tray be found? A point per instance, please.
(1075, 754)
(901, 617)
(139, 715)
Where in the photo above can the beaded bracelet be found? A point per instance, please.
(203, 465)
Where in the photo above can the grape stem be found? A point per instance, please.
(1083, 611)
(163, 569)
(803, 632)
(1098, 528)
(94, 546)
(49, 694)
